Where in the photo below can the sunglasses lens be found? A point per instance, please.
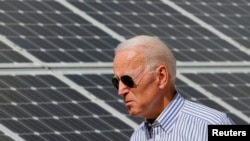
(126, 80)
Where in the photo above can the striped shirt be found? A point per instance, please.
(181, 120)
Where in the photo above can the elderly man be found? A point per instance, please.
(144, 75)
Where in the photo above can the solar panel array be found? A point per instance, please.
(56, 56)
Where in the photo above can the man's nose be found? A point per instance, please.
(122, 89)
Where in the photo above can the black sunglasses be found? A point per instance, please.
(126, 80)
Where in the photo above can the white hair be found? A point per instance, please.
(156, 52)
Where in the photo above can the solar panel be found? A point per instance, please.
(4, 137)
(8, 55)
(189, 40)
(100, 86)
(229, 17)
(41, 27)
(41, 107)
(69, 95)
(228, 87)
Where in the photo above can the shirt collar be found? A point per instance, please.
(169, 115)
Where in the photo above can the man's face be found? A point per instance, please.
(138, 99)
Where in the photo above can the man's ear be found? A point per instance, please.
(163, 76)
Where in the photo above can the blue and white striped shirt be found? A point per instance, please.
(181, 120)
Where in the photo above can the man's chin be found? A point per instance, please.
(133, 112)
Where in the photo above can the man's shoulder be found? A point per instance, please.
(210, 115)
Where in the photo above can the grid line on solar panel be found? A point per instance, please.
(140, 30)
(9, 55)
(40, 105)
(175, 25)
(138, 26)
(231, 17)
(39, 29)
(229, 87)
(100, 86)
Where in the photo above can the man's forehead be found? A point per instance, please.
(130, 57)
(128, 61)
